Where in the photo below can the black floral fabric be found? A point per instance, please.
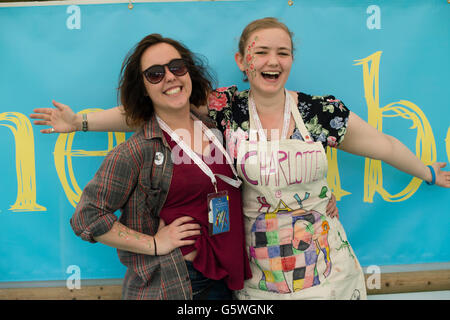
(325, 117)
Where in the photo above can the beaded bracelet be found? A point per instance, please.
(433, 176)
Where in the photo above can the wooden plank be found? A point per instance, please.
(420, 281)
(396, 282)
(109, 292)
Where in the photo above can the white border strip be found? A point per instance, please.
(81, 2)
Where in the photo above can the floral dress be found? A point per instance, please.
(325, 117)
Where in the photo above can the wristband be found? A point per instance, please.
(154, 243)
(84, 123)
(433, 176)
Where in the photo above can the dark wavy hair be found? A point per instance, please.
(133, 96)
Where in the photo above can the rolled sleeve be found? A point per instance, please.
(107, 192)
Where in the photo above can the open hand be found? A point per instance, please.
(170, 237)
(61, 119)
(442, 177)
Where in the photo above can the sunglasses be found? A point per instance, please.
(156, 73)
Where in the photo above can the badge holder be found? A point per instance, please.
(218, 213)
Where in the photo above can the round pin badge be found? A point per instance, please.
(159, 158)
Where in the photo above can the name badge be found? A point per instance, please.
(219, 213)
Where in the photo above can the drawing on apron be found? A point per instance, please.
(295, 247)
(295, 251)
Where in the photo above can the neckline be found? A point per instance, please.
(253, 112)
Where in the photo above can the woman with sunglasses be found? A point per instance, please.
(291, 243)
(180, 233)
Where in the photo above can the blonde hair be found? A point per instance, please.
(264, 23)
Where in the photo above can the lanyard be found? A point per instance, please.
(198, 161)
(287, 116)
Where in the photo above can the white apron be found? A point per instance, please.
(295, 250)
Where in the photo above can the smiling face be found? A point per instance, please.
(173, 92)
(267, 60)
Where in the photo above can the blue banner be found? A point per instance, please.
(388, 61)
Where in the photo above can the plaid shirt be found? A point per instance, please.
(129, 179)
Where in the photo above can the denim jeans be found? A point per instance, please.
(207, 289)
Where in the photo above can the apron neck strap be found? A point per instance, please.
(289, 107)
(299, 122)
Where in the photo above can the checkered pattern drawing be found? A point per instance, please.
(288, 240)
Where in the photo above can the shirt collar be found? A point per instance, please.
(152, 130)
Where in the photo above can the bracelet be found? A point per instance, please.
(154, 243)
(84, 123)
(433, 176)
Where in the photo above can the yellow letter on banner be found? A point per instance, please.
(447, 144)
(425, 144)
(63, 150)
(333, 178)
(21, 128)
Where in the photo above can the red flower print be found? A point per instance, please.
(217, 101)
(221, 90)
(332, 141)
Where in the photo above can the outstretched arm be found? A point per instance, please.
(364, 140)
(62, 119)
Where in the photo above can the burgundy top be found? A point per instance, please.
(221, 256)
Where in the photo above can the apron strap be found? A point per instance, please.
(255, 122)
(256, 127)
(299, 121)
